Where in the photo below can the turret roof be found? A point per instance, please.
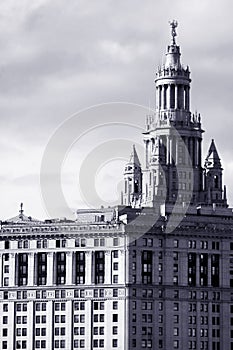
(134, 157)
(213, 159)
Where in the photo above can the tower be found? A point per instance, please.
(132, 181)
(174, 135)
(214, 193)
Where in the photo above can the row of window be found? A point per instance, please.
(149, 242)
(61, 243)
(61, 294)
(60, 262)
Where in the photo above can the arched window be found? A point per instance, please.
(215, 181)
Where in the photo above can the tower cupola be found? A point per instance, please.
(173, 51)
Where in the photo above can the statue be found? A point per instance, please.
(174, 25)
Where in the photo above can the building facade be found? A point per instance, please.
(153, 273)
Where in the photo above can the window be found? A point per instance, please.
(22, 269)
(99, 267)
(114, 343)
(6, 269)
(102, 242)
(149, 242)
(115, 318)
(41, 269)
(115, 330)
(115, 254)
(5, 307)
(80, 267)
(115, 278)
(115, 266)
(146, 261)
(61, 268)
(115, 242)
(6, 281)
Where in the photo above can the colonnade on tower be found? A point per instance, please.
(171, 96)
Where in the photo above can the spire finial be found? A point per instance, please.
(174, 25)
(21, 209)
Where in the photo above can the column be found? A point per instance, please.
(169, 96)
(194, 151)
(157, 97)
(30, 269)
(36, 269)
(171, 149)
(199, 152)
(162, 97)
(89, 266)
(16, 269)
(188, 98)
(181, 96)
(50, 269)
(69, 268)
(108, 268)
(121, 270)
(147, 158)
(74, 267)
(176, 96)
(185, 97)
(186, 150)
(165, 96)
(12, 270)
(177, 151)
(168, 149)
(54, 275)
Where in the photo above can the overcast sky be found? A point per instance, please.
(59, 57)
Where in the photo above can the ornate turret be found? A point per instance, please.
(173, 84)
(177, 133)
(214, 192)
(173, 175)
(133, 181)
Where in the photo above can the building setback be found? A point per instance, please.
(153, 273)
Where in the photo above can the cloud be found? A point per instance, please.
(58, 57)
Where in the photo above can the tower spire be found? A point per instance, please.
(21, 210)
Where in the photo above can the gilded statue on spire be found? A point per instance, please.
(174, 25)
